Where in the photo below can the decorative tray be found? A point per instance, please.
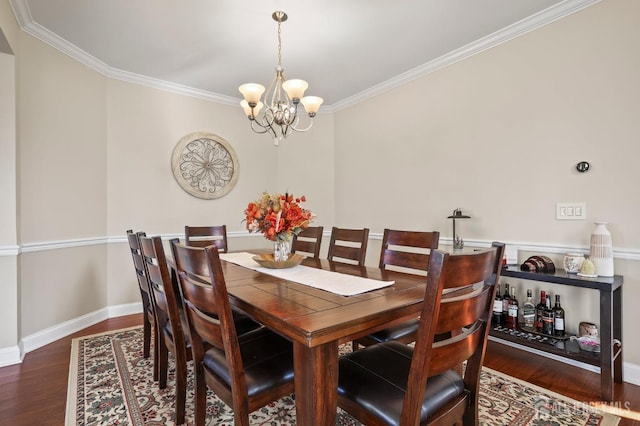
(266, 260)
(530, 333)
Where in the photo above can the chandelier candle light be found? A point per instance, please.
(280, 116)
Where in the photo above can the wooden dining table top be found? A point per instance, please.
(317, 321)
(312, 316)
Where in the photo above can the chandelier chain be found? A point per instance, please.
(279, 44)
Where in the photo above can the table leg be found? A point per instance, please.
(617, 333)
(606, 347)
(316, 383)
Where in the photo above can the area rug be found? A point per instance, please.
(110, 383)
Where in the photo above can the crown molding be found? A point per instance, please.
(517, 29)
(167, 86)
(542, 18)
(27, 24)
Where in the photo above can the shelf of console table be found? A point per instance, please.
(610, 357)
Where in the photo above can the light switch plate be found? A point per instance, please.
(571, 211)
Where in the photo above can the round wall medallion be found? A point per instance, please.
(205, 165)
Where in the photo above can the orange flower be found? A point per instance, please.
(277, 216)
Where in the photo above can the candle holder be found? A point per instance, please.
(458, 243)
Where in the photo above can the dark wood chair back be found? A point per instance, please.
(308, 241)
(433, 392)
(148, 318)
(349, 245)
(203, 236)
(171, 334)
(407, 249)
(219, 351)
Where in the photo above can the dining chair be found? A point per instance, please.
(202, 236)
(246, 371)
(395, 384)
(349, 245)
(172, 334)
(406, 251)
(148, 314)
(308, 241)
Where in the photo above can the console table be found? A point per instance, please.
(609, 359)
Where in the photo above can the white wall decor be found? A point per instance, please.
(205, 165)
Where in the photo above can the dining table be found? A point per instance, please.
(318, 320)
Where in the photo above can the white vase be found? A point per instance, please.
(601, 252)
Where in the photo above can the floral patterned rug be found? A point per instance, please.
(110, 383)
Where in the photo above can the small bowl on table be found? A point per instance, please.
(266, 260)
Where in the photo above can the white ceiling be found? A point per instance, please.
(346, 49)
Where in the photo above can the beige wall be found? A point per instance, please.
(62, 185)
(497, 135)
(9, 291)
(144, 127)
(8, 264)
(60, 285)
(62, 150)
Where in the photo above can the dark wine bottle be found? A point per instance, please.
(539, 311)
(547, 318)
(558, 318)
(496, 318)
(512, 314)
(505, 303)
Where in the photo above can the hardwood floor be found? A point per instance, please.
(35, 392)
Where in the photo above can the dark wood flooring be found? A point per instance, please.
(34, 392)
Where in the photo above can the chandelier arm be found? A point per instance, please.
(267, 125)
(261, 129)
(305, 129)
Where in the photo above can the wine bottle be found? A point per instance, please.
(558, 318)
(505, 303)
(497, 308)
(539, 311)
(547, 318)
(529, 312)
(512, 314)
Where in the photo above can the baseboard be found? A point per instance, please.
(10, 356)
(122, 310)
(51, 334)
(58, 331)
(630, 372)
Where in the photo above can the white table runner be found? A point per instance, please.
(335, 282)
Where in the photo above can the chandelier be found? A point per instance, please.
(279, 117)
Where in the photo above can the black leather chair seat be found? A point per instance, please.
(267, 360)
(244, 323)
(376, 378)
(397, 332)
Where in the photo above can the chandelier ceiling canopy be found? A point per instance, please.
(278, 115)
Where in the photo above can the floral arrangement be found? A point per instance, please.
(277, 216)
